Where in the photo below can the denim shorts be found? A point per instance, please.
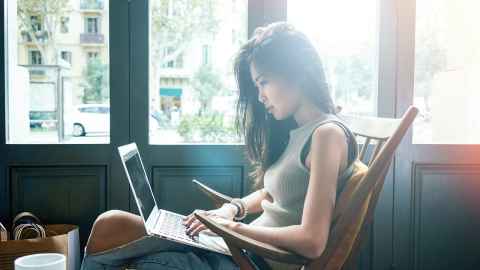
(150, 252)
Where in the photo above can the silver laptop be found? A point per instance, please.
(158, 222)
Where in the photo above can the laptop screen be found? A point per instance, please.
(142, 190)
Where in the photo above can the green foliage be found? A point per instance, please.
(430, 56)
(174, 24)
(207, 84)
(95, 82)
(207, 128)
(49, 14)
(353, 76)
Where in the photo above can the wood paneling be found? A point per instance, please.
(73, 194)
(446, 216)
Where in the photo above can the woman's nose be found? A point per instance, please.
(261, 96)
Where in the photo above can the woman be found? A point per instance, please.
(302, 154)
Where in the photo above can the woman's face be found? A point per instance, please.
(279, 97)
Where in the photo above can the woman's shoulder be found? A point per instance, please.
(329, 132)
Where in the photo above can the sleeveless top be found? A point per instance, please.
(287, 179)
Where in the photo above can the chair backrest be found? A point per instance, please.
(373, 131)
(356, 203)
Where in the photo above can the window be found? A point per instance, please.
(35, 58)
(64, 25)
(192, 90)
(168, 52)
(91, 4)
(36, 23)
(67, 56)
(92, 25)
(348, 50)
(447, 61)
(92, 55)
(206, 53)
(43, 93)
(173, 58)
(179, 61)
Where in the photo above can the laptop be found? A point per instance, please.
(159, 222)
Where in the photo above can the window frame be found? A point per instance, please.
(31, 59)
(37, 23)
(64, 24)
(69, 55)
(96, 24)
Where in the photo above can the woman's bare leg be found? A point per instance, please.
(114, 228)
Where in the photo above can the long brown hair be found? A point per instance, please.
(281, 50)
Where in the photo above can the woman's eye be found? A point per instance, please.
(262, 83)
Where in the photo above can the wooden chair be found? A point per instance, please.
(354, 207)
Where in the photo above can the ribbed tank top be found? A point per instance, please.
(287, 179)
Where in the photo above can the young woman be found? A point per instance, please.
(302, 154)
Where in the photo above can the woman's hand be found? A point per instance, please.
(223, 215)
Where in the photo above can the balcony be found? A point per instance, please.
(41, 36)
(93, 5)
(92, 39)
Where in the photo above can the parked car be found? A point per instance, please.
(95, 119)
(91, 119)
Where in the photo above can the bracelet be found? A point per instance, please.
(244, 211)
(236, 207)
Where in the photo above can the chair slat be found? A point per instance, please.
(364, 148)
(376, 150)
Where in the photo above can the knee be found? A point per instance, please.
(109, 217)
(107, 221)
(113, 228)
(104, 227)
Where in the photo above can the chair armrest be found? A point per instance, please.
(218, 198)
(244, 242)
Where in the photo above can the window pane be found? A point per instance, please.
(447, 62)
(192, 87)
(345, 34)
(56, 66)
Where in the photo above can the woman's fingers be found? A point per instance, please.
(188, 220)
(198, 229)
(193, 227)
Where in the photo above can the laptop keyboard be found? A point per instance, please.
(172, 225)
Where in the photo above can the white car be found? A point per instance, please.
(95, 119)
(91, 119)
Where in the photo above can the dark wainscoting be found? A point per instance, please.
(446, 216)
(60, 194)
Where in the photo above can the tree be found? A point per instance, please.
(353, 76)
(207, 84)
(430, 55)
(95, 82)
(39, 20)
(174, 25)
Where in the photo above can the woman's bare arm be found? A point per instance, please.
(310, 237)
(228, 210)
